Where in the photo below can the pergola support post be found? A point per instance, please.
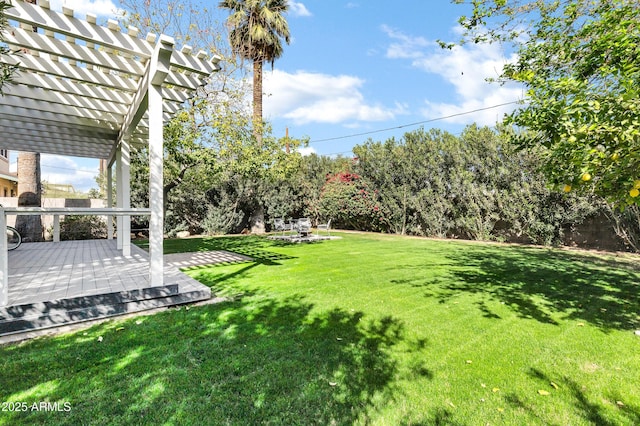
(159, 69)
(125, 157)
(109, 201)
(4, 263)
(119, 198)
(156, 193)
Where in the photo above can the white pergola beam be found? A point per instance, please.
(64, 130)
(75, 148)
(174, 95)
(187, 62)
(79, 29)
(157, 70)
(65, 99)
(184, 81)
(64, 70)
(71, 87)
(57, 140)
(52, 46)
(34, 115)
(65, 110)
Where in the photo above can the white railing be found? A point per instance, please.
(124, 237)
(56, 212)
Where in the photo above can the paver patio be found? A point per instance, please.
(41, 272)
(54, 284)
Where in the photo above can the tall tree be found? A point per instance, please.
(29, 195)
(580, 63)
(257, 28)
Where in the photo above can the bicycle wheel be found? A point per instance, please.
(13, 238)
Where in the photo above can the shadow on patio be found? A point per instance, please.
(52, 284)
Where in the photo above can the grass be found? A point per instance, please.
(368, 329)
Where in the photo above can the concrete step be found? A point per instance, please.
(42, 315)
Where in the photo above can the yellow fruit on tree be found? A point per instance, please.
(636, 184)
(567, 188)
(586, 177)
(634, 192)
(615, 156)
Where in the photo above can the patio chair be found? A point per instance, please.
(304, 226)
(281, 226)
(324, 226)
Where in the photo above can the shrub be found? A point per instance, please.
(348, 200)
(82, 228)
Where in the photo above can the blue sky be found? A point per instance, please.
(355, 67)
(358, 67)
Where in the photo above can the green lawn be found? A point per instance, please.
(368, 329)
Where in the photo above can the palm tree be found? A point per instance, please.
(29, 195)
(257, 30)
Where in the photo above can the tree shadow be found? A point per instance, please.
(591, 410)
(539, 284)
(249, 361)
(255, 247)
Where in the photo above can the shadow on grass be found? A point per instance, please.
(593, 410)
(539, 284)
(250, 361)
(258, 248)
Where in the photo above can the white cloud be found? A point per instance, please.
(79, 172)
(104, 8)
(69, 170)
(307, 150)
(306, 97)
(404, 46)
(466, 68)
(299, 9)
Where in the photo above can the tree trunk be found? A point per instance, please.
(257, 100)
(256, 221)
(29, 195)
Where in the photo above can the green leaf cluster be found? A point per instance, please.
(7, 67)
(579, 61)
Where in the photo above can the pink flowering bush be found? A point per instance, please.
(348, 200)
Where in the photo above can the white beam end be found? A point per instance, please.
(113, 25)
(215, 60)
(133, 31)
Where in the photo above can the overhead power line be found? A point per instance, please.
(412, 124)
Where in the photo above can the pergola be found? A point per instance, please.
(87, 90)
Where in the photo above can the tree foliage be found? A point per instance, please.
(474, 186)
(580, 63)
(257, 29)
(7, 68)
(349, 201)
